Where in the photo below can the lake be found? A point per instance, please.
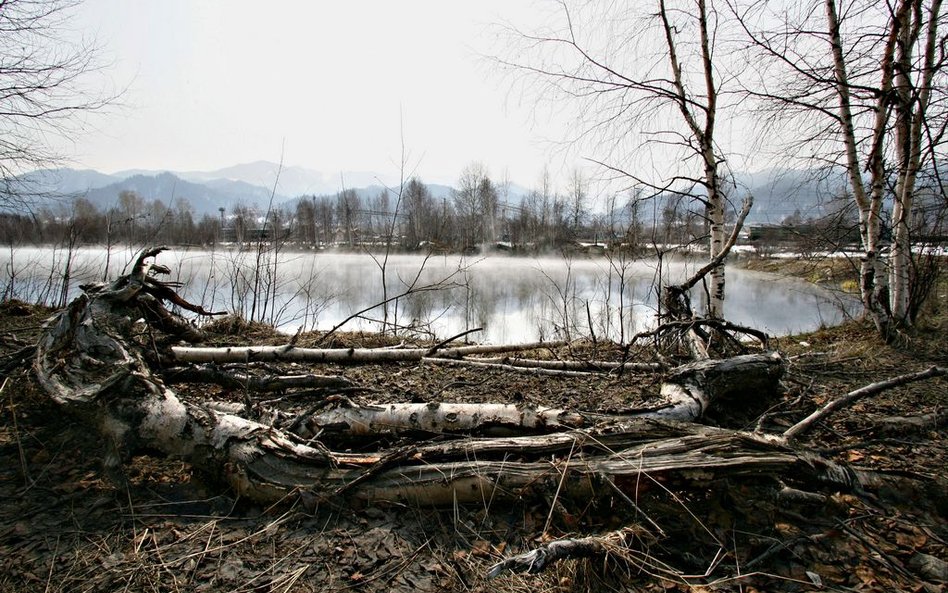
(513, 299)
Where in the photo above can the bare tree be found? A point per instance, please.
(644, 79)
(476, 204)
(578, 194)
(45, 85)
(862, 87)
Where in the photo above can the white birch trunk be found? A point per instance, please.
(872, 278)
(911, 111)
(717, 239)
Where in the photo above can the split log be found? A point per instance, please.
(700, 458)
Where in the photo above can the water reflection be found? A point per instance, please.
(513, 299)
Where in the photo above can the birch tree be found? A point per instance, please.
(645, 82)
(859, 86)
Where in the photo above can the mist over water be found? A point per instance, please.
(513, 299)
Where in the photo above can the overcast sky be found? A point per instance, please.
(215, 83)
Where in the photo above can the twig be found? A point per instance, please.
(559, 488)
(443, 343)
(16, 433)
(884, 558)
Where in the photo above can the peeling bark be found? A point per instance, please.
(440, 418)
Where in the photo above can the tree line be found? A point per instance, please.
(480, 214)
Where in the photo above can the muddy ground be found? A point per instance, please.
(67, 526)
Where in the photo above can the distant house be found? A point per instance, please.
(252, 235)
(808, 232)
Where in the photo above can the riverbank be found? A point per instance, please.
(65, 526)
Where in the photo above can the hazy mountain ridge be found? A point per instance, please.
(291, 181)
(778, 193)
(249, 184)
(169, 188)
(65, 181)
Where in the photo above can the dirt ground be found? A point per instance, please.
(66, 526)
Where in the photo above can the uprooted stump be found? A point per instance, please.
(89, 362)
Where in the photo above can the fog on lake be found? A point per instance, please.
(513, 299)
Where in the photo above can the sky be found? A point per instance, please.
(329, 86)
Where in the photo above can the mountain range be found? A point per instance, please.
(778, 193)
(250, 184)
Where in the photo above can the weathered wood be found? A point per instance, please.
(506, 367)
(341, 355)
(685, 396)
(116, 392)
(542, 557)
(135, 411)
(691, 388)
(233, 379)
(575, 365)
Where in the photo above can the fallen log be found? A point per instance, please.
(291, 353)
(575, 365)
(441, 418)
(685, 395)
(233, 379)
(506, 367)
(691, 388)
(88, 361)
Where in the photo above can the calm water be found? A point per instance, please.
(512, 299)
